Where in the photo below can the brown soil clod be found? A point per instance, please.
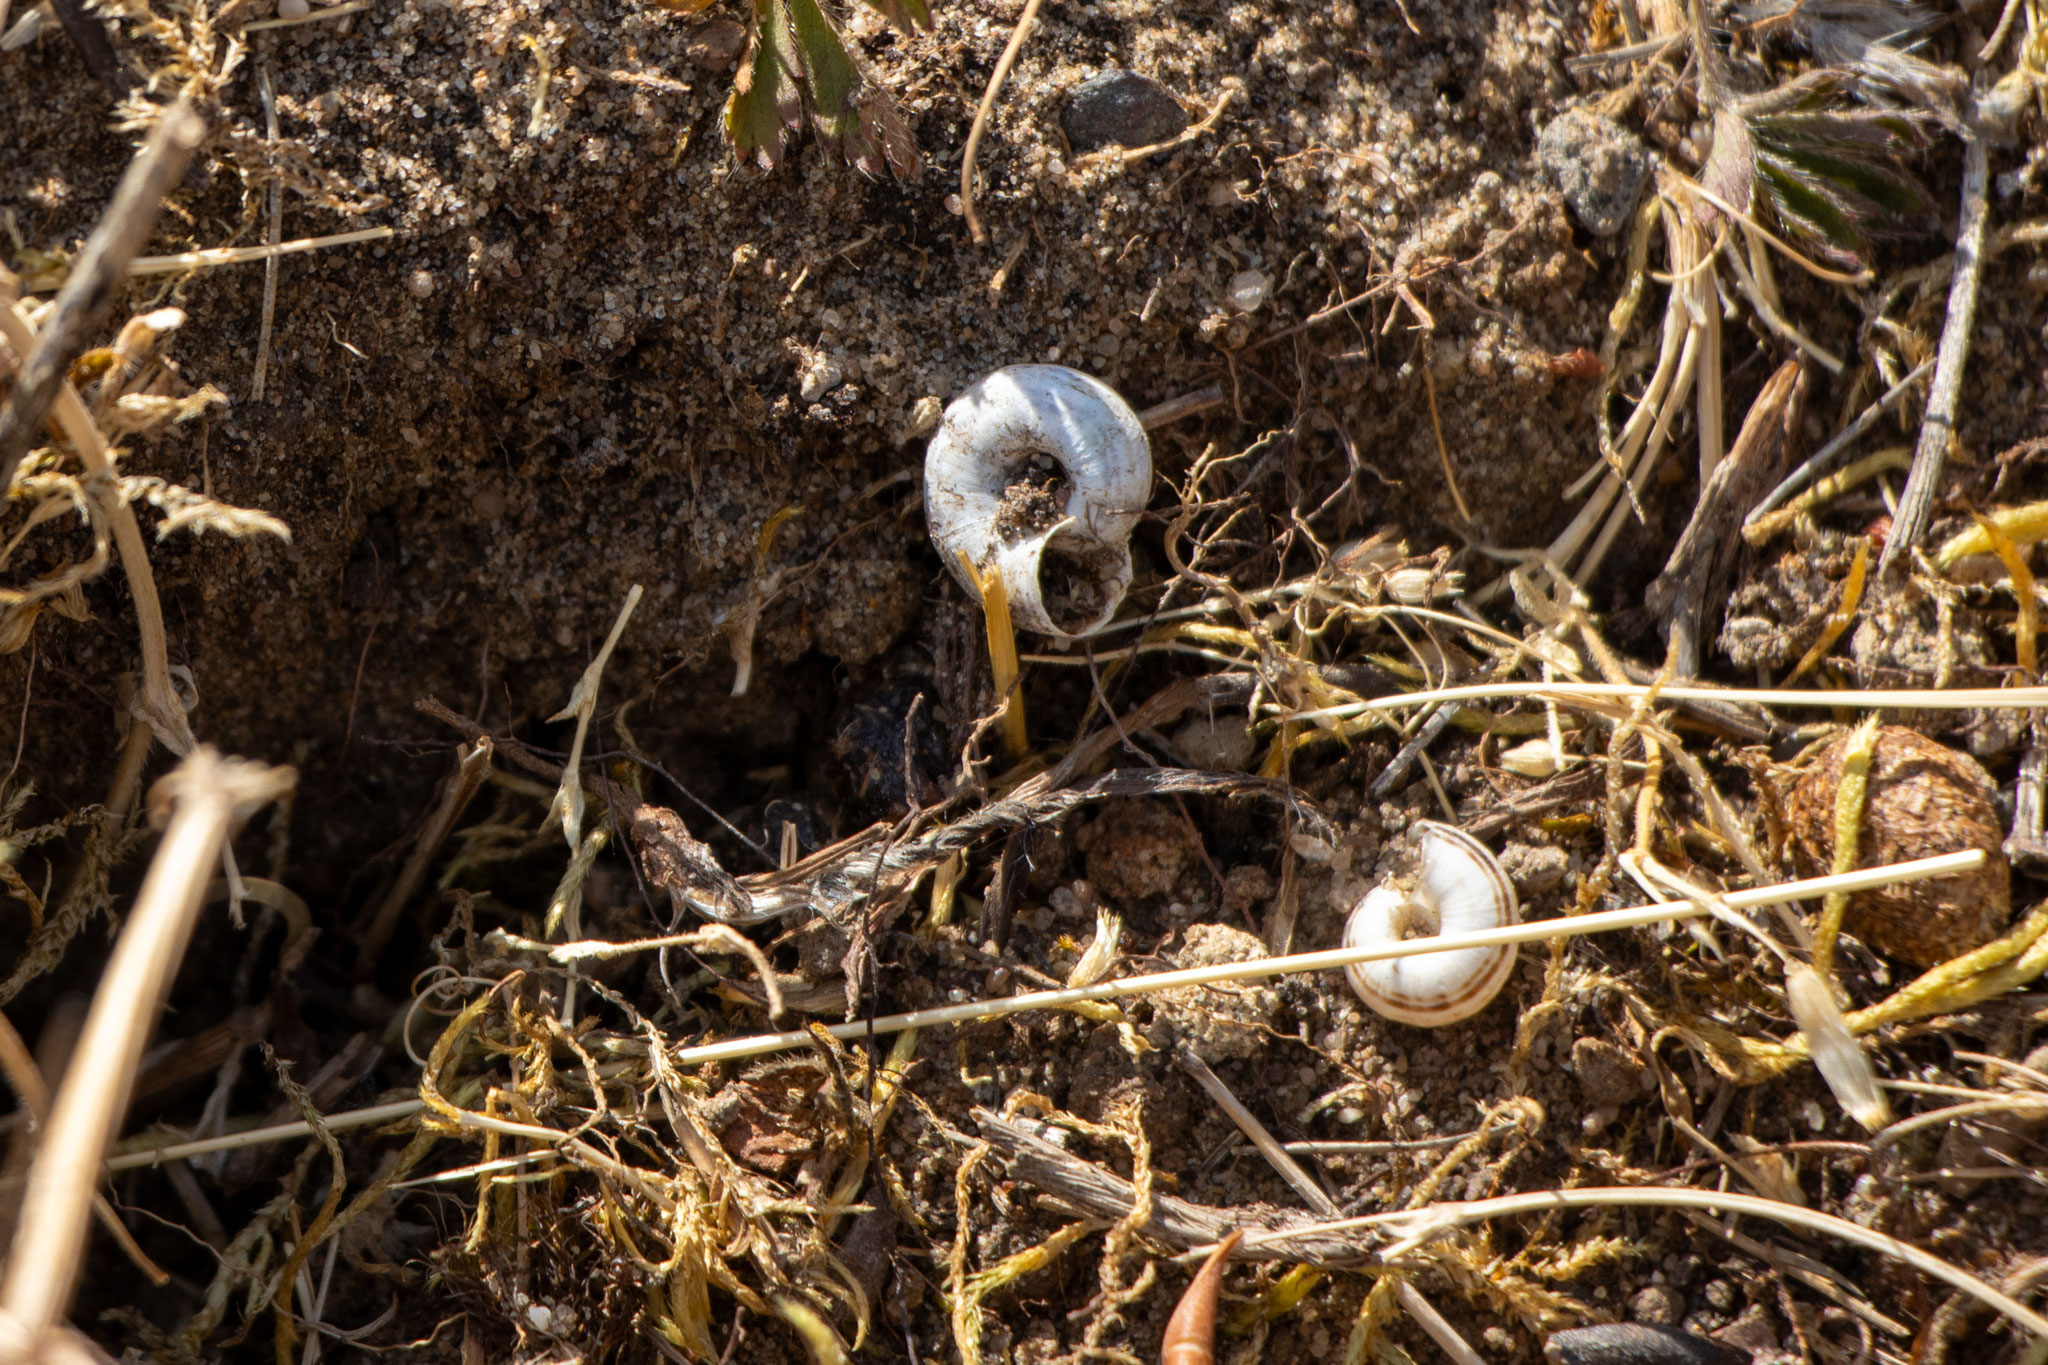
(1924, 798)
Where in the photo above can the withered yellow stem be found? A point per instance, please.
(1827, 490)
(945, 886)
(2024, 525)
(1849, 803)
(1002, 655)
(1839, 619)
(2026, 629)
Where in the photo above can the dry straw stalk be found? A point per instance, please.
(205, 794)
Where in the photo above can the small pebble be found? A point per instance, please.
(1608, 1076)
(715, 46)
(1219, 1022)
(1218, 743)
(1634, 1343)
(1121, 108)
(1924, 798)
(1600, 166)
(1249, 289)
(1658, 1305)
(1535, 869)
(820, 377)
(293, 9)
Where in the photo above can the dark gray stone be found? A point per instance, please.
(1634, 1343)
(1121, 108)
(1600, 166)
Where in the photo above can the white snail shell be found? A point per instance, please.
(1040, 472)
(1457, 888)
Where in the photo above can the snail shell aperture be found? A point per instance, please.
(1040, 472)
(1458, 887)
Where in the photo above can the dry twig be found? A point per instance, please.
(1938, 425)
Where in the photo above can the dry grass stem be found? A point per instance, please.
(1334, 958)
(274, 192)
(1944, 394)
(567, 807)
(1124, 156)
(471, 768)
(183, 261)
(1414, 1228)
(368, 1117)
(157, 703)
(1434, 1324)
(1221, 973)
(206, 795)
(1248, 1123)
(1823, 460)
(315, 16)
(1927, 699)
(1002, 656)
(972, 150)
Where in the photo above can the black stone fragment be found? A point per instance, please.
(1121, 108)
(1637, 1343)
(868, 752)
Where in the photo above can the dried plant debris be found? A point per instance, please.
(572, 1104)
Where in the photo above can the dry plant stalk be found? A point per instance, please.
(1002, 655)
(757, 1045)
(981, 114)
(567, 806)
(205, 796)
(1413, 1229)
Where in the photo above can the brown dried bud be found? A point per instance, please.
(1924, 798)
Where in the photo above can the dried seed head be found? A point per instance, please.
(1533, 758)
(1420, 584)
(1190, 1336)
(1924, 798)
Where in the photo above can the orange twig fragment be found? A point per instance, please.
(1838, 620)
(2026, 630)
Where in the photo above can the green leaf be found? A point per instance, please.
(831, 78)
(1834, 177)
(766, 103)
(1809, 213)
(798, 69)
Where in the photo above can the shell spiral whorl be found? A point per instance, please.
(1041, 472)
(1458, 888)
